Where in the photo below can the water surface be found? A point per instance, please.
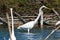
(35, 34)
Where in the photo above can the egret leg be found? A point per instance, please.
(28, 30)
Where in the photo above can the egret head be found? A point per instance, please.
(43, 7)
(11, 8)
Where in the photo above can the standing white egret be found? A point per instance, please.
(12, 34)
(31, 24)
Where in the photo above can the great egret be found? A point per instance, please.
(57, 23)
(30, 25)
(12, 34)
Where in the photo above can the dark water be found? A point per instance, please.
(35, 34)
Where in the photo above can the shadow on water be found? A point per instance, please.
(35, 34)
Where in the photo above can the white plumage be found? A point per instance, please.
(12, 34)
(30, 25)
(27, 25)
(58, 22)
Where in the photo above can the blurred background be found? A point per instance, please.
(27, 6)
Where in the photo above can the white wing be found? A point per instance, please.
(27, 25)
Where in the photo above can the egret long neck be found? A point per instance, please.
(40, 12)
(12, 21)
(38, 15)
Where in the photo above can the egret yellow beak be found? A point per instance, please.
(48, 8)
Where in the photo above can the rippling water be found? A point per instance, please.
(35, 34)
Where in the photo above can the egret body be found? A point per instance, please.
(30, 25)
